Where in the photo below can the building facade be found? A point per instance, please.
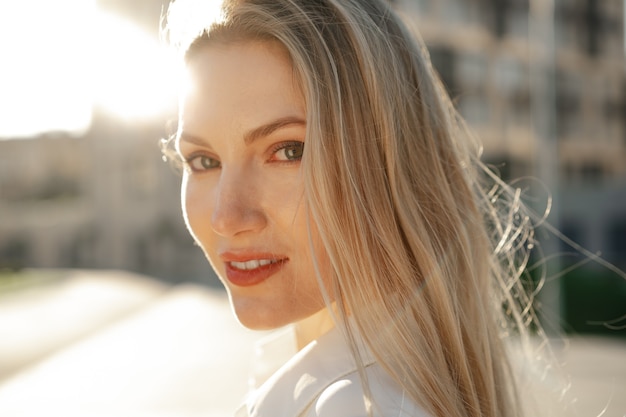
(102, 200)
(545, 91)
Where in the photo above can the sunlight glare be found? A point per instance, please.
(134, 74)
(42, 82)
(62, 58)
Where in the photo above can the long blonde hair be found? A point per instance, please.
(426, 245)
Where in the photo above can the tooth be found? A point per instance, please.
(239, 265)
(252, 264)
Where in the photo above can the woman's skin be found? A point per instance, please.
(241, 135)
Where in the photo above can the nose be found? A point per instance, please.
(237, 207)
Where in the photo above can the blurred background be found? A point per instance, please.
(87, 90)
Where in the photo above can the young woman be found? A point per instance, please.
(330, 184)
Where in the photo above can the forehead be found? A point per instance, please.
(249, 82)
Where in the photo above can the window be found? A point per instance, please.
(568, 104)
(508, 167)
(513, 84)
(592, 172)
(517, 18)
(616, 252)
(15, 253)
(472, 70)
(456, 11)
(573, 230)
(475, 108)
(444, 61)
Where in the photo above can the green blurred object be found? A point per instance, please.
(16, 280)
(594, 302)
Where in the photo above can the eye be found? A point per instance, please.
(288, 151)
(201, 163)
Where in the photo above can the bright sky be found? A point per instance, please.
(59, 58)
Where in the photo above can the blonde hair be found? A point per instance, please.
(426, 245)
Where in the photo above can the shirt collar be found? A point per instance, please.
(297, 383)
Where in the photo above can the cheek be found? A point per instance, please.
(196, 209)
(324, 266)
(319, 262)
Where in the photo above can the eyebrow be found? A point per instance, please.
(254, 134)
(269, 128)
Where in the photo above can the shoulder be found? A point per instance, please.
(342, 398)
(345, 397)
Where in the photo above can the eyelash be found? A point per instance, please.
(287, 145)
(189, 162)
(215, 163)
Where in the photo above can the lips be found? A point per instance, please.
(248, 270)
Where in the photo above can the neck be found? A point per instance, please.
(312, 327)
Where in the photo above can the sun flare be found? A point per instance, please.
(134, 76)
(61, 59)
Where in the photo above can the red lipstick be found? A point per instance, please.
(251, 269)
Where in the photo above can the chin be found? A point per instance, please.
(257, 317)
(255, 322)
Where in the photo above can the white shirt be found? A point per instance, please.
(322, 380)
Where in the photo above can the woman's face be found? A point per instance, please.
(242, 134)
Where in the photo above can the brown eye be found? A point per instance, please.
(289, 151)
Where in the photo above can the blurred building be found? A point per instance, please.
(103, 200)
(489, 56)
(106, 200)
(545, 90)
